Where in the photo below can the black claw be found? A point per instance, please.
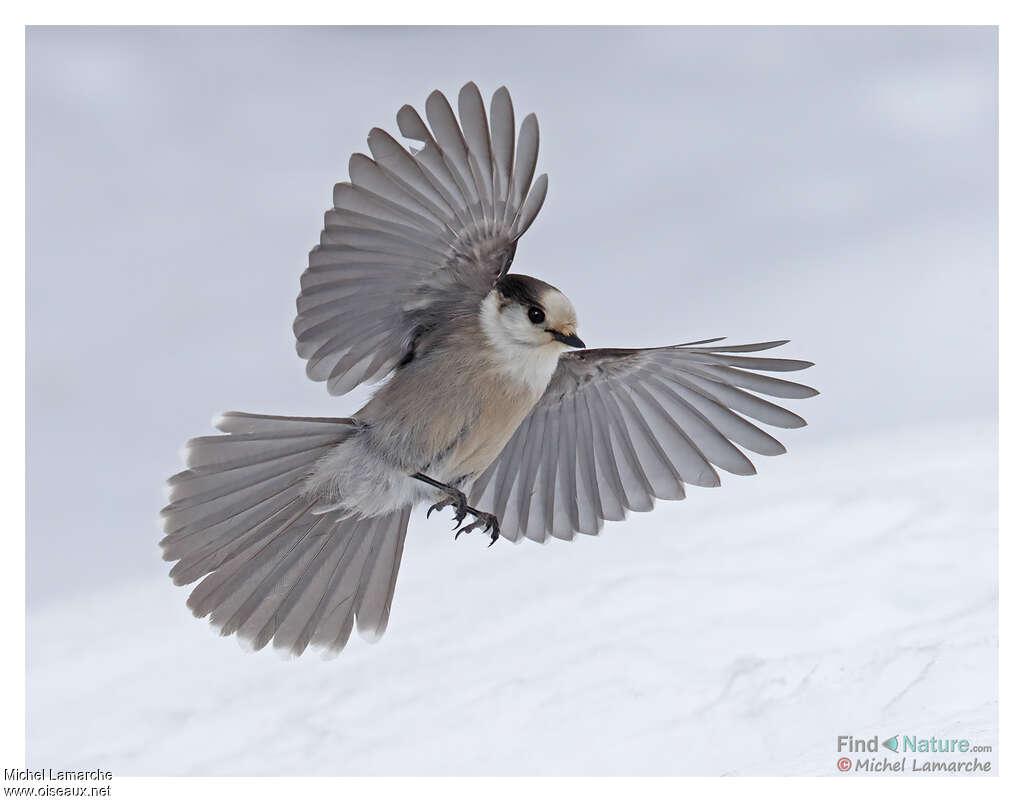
(456, 499)
(453, 499)
(485, 522)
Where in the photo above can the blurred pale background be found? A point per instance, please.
(832, 186)
(836, 187)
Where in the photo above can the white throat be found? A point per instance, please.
(528, 363)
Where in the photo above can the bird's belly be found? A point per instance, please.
(484, 440)
(354, 478)
(371, 472)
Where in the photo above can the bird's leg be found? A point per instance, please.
(455, 498)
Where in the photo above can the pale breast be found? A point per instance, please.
(501, 413)
(450, 411)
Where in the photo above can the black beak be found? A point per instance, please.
(568, 339)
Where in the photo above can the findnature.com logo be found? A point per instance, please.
(946, 755)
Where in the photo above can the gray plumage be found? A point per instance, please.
(618, 428)
(295, 526)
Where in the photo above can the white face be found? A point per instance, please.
(526, 337)
(540, 325)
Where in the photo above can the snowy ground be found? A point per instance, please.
(848, 589)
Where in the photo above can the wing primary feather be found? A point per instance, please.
(743, 402)
(716, 447)
(503, 136)
(761, 363)
(478, 139)
(658, 469)
(691, 461)
(711, 356)
(381, 241)
(589, 504)
(431, 156)
(695, 342)
(453, 147)
(366, 173)
(532, 206)
(526, 162)
(732, 425)
(768, 385)
(380, 179)
(416, 236)
(392, 157)
(764, 346)
(359, 199)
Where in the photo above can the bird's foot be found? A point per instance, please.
(456, 499)
(486, 522)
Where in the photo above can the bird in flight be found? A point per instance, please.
(491, 404)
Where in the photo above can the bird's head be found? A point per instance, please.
(526, 311)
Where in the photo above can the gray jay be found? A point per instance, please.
(491, 403)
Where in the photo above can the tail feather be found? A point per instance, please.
(312, 613)
(277, 426)
(374, 607)
(266, 579)
(193, 544)
(221, 592)
(336, 625)
(227, 495)
(213, 455)
(301, 610)
(271, 569)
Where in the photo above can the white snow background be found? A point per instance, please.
(738, 632)
(836, 187)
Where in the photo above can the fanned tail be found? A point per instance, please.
(274, 571)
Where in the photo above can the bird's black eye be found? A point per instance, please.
(536, 314)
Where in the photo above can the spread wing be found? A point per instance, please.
(618, 428)
(416, 236)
